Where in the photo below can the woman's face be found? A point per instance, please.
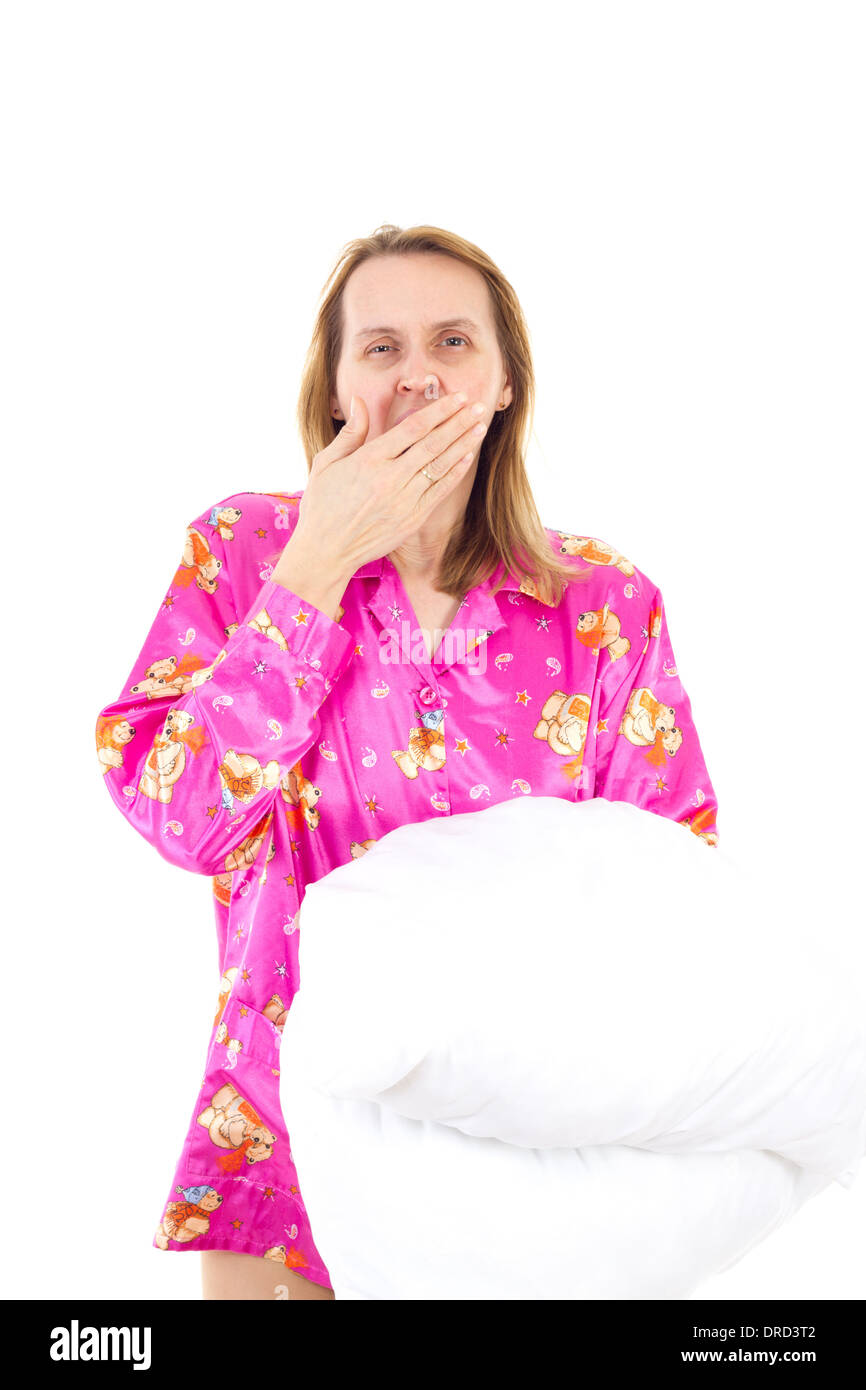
(404, 318)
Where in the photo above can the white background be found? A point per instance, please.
(675, 190)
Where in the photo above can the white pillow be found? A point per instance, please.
(403, 1209)
(560, 974)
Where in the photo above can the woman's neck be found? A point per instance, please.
(418, 558)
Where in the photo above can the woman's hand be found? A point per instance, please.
(362, 500)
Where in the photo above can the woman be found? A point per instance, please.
(400, 640)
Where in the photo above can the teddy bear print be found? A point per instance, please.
(272, 849)
(357, 848)
(654, 627)
(227, 980)
(426, 751)
(301, 795)
(223, 519)
(159, 679)
(111, 737)
(165, 677)
(232, 1045)
(202, 565)
(529, 587)
(292, 1259)
(222, 888)
(594, 552)
(647, 723)
(167, 758)
(242, 777)
(262, 623)
(185, 1220)
(248, 849)
(564, 723)
(696, 822)
(599, 629)
(276, 1011)
(232, 1123)
(195, 678)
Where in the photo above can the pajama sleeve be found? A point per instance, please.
(647, 747)
(193, 749)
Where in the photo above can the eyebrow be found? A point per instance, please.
(431, 327)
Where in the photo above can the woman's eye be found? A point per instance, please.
(451, 337)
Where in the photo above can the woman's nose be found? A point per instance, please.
(429, 384)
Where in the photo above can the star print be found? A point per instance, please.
(461, 745)
(246, 974)
(293, 846)
(289, 880)
(661, 784)
(300, 618)
(300, 681)
(239, 932)
(261, 668)
(237, 1223)
(268, 1192)
(601, 726)
(280, 968)
(212, 810)
(395, 610)
(260, 532)
(372, 805)
(502, 736)
(168, 601)
(542, 623)
(522, 697)
(359, 650)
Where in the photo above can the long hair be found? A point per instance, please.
(501, 524)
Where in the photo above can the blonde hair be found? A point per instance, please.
(501, 523)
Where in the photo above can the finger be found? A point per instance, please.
(437, 464)
(415, 427)
(466, 425)
(351, 436)
(455, 459)
(434, 491)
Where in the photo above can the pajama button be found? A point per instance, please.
(428, 696)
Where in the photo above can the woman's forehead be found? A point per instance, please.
(386, 294)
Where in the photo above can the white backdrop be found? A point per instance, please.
(675, 191)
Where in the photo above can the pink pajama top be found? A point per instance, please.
(261, 743)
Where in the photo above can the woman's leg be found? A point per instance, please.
(229, 1274)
